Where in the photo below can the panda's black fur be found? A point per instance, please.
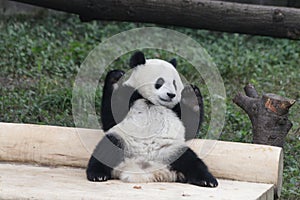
(118, 155)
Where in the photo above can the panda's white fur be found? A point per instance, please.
(152, 133)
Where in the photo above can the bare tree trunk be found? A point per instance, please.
(285, 3)
(268, 115)
(8, 8)
(202, 14)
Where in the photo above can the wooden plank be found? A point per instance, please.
(50, 145)
(29, 182)
(47, 145)
(240, 161)
(223, 16)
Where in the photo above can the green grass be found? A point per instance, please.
(41, 57)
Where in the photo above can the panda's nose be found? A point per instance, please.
(171, 95)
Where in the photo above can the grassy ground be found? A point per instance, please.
(40, 59)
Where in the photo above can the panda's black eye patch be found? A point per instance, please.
(175, 86)
(159, 83)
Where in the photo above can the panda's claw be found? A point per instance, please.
(212, 185)
(212, 182)
(207, 180)
(97, 177)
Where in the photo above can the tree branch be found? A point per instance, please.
(251, 91)
(268, 115)
(223, 16)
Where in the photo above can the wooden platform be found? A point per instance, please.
(244, 171)
(32, 182)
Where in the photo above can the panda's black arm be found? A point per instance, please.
(194, 169)
(108, 154)
(190, 110)
(116, 99)
(111, 81)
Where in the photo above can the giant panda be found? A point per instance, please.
(145, 131)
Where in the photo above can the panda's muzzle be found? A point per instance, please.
(169, 98)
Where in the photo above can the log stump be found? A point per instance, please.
(268, 115)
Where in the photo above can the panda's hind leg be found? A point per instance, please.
(193, 169)
(108, 154)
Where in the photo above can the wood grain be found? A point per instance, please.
(62, 146)
(30, 182)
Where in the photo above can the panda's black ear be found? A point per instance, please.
(138, 58)
(173, 62)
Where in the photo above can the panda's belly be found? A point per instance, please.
(150, 131)
(153, 149)
(154, 138)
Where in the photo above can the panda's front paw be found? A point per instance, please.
(97, 176)
(192, 98)
(114, 76)
(205, 181)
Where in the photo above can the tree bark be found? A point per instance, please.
(201, 14)
(268, 115)
(285, 3)
(9, 8)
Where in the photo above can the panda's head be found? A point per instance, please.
(156, 80)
